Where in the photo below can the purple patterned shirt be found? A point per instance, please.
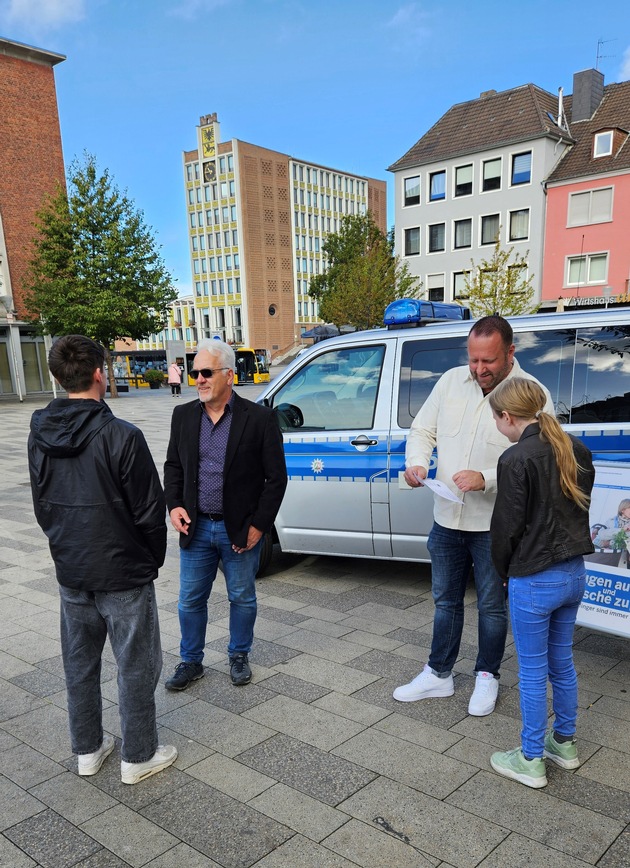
(213, 439)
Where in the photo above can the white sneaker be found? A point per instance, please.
(425, 686)
(132, 773)
(484, 696)
(90, 763)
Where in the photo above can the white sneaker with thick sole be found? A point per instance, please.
(90, 763)
(425, 686)
(484, 696)
(132, 773)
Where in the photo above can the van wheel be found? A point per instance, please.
(266, 551)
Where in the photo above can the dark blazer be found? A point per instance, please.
(254, 475)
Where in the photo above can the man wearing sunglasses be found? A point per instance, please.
(224, 479)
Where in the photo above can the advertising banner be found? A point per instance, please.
(606, 602)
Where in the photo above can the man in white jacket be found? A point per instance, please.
(457, 419)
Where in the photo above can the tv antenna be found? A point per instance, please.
(600, 56)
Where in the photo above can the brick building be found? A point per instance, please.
(31, 163)
(257, 221)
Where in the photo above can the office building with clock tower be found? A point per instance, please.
(257, 221)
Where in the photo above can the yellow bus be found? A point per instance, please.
(252, 366)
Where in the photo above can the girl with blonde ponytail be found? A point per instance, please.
(540, 532)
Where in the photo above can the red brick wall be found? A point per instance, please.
(31, 158)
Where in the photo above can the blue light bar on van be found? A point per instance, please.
(407, 312)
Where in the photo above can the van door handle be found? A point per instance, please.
(362, 440)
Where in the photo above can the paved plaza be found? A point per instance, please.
(313, 765)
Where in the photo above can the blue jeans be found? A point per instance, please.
(199, 563)
(543, 609)
(453, 552)
(130, 619)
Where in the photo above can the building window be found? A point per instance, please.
(491, 175)
(189, 172)
(208, 217)
(519, 225)
(224, 189)
(191, 196)
(490, 228)
(210, 241)
(435, 287)
(198, 287)
(463, 180)
(412, 241)
(222, 165)
(437, 186)
(195, 243)
(460, 290)
(193, 220)
(199, 218)
(603, 144)
(463, 233)
(233, 213)
(225, 213)
(592, 206)
(230, 162)
(521, 168)
(588, 269)
(412, 190)
(234, 237)
(437, 234)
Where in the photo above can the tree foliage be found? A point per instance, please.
(96, 269)
(363, 275)
(498, 285)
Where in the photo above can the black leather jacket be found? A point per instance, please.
(97, 496)
(533, 524)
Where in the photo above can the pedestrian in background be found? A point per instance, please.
(97, 497)
(540, 532)
(175, 379)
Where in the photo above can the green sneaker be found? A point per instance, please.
(512, 764)
(563, 754)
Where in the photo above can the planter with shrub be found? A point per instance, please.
(154, 378)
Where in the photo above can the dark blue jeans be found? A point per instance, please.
(453, 552)
(543, 609)
(130, 619)
(199, 563)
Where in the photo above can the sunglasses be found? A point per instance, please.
(206, 373)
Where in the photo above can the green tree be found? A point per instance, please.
(499, 284)
(363, 274)
(96, 269)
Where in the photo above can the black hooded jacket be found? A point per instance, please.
(97, 496)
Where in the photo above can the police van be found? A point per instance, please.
(345, 406)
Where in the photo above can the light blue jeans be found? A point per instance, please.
(199, 563)
(130, 619)
(453, 552)
(543, 609)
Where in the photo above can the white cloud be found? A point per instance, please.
(410, 21)
(39, 15)
(191, 9)
(624, 72)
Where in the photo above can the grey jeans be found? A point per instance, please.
(130, 619)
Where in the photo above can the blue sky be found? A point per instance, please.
(346, 83)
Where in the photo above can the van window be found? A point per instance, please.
(422, 364)
(335, 391)
(548, 356)
(601, 391)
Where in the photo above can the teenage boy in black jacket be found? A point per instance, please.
(98, 499)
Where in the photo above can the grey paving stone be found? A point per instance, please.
(299, 851)
(295, 688)
(334, 676)
(568, 828)
(283, 616)
(12, 857)
(353, 709)
(308, 769)
(271, 631)
(605, 645)
(519, 852)
(39, 682)
(102, 859)
(304, 722)
(52, 841)
(337, 650)
(307, 816)
(433, 827)
(613, 707)
(219, 690)
(375, 848)
(72, 797)
(27, 767)
(618, 856)
(603, 729)
(7, 740)
(220, 730)
(418, 732)
(424, 770)
(382, 596)
(444, 712)
(182, 856)
(204, 818)
(129, 836)
(45, 728)
(578, 789)
(325, 599)
(14, 701)
(610, 767)
(262, 653)
(230, 777)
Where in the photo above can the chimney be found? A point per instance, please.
(588, 90)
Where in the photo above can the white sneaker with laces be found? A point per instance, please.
(90, 763)
(484, 696)
(424, 686)
(132, 773)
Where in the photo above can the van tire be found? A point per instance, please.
(266, 552)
